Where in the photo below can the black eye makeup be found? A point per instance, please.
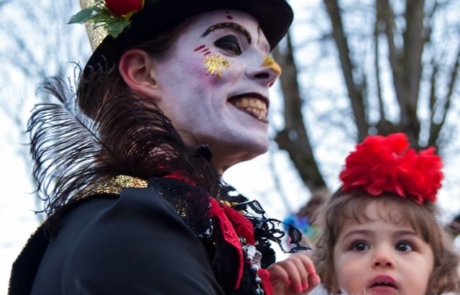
(229, 43)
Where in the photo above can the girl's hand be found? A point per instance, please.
(293, 275)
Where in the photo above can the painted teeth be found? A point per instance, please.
(252, 103)
(254, 106)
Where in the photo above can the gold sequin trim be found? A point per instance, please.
(115, 185)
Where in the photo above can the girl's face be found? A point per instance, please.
(382, 257)
(214, 85)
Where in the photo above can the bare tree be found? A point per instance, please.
(397, 62)
(36, 43)
(399, 65)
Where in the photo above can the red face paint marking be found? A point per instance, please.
(199, 48)
(271, 84)
(229, 17)
(203, 49)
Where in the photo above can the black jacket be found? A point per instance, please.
(135, 243)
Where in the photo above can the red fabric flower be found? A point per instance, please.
(233, 225)
(241, 223)
(124, 8)
(387, 164)
(230, 235)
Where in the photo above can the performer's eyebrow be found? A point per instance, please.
(232, 26)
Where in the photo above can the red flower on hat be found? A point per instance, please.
(113, 15)
(387, 164)
(124, 8)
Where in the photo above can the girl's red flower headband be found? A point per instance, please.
(114, 15)
(388, 164)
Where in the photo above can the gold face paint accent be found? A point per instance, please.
(270, 63)
(216, 64)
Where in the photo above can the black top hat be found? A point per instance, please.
(274, 17)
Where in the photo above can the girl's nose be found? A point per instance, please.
(382, 258)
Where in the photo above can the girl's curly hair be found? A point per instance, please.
(351, 206)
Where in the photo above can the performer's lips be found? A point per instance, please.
(253, 104)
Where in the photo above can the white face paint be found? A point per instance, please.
(214, 86)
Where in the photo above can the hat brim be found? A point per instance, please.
(274, 17)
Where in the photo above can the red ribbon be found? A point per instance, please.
(230, 235)
(242, 225)
(266, 284)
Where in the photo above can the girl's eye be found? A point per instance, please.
(359, 246)
(404, 247)
(229, 43)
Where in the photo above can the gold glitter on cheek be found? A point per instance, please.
(270, 63)
(215, 64)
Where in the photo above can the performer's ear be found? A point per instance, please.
(137, 70)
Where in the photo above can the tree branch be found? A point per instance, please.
(355, 90)
(383, 125)
(434, 127)
(444, 109)
(378, 22)
(414, 41)
(294, 137)
(394, 56)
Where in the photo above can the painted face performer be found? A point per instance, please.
(380, 233)
(130, 167)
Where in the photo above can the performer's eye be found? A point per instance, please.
(229, 43)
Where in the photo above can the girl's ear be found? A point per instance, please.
(138, 71)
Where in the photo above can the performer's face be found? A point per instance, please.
(214, 84)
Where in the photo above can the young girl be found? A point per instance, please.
(380, 234)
